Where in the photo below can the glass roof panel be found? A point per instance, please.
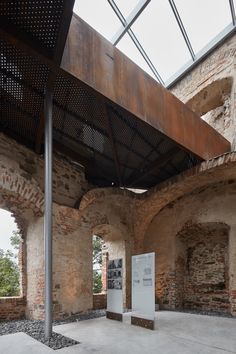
(126, 6)
(127, 46)
(158, 32)
(203, 19)
(102, 18)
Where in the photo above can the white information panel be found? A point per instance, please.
(114, 286)
(143, 286)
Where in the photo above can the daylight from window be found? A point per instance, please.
(9, 248)
(160, 30)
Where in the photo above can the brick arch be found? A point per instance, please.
(219, 169)
(105, 230)
(109, 206)
(94, 195)
(18, 193)
(117, 244)
(23, 199)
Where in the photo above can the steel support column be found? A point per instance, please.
(48, 213)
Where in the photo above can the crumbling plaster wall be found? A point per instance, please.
(209, 89)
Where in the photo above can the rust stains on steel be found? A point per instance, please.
(92, 59)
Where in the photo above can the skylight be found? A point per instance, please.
(163, 37)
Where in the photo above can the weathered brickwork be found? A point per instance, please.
(196, 264)
(27, 168)
(204, 267)
(128, 224)
(209, 89)
(195, 267)
(12, 308)
(166, 290)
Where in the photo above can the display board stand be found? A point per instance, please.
(114, 290)
(143, 290)
(114, 316)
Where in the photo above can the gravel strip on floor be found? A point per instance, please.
(35, 329)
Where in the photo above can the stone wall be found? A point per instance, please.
(209, 89)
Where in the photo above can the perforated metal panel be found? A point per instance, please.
(115, 146)
(37, 21)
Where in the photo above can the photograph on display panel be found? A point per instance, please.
(114, 274)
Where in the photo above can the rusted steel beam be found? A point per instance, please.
(63, 30)
(94, 60)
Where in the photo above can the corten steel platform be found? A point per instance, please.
(108, 114)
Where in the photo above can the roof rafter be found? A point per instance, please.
(182, 28)
(136, 42)
(130, 20)
(232, 9)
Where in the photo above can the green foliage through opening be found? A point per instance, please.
(9, 269)
(97, 264)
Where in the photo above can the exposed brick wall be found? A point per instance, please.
(204, 84)
(69, 183)
(197, 271)
(204, 268)
(165, 293)
(99, 301)
(12, 308)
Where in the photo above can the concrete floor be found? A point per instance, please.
(175, 333)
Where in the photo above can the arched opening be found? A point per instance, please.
(99, 265)
(112, 246)
(202, 267)
(11, 256)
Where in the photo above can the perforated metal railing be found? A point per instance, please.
(119, 149)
